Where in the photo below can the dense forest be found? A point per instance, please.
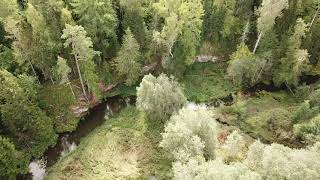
(222, 89)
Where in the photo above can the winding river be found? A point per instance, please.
(68, 142)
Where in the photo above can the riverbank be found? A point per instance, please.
(123, 147)
(126, 146)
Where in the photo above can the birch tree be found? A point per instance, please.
(268, 12)
(179, 17)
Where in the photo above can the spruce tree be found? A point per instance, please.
(99, 19)
(129, 56)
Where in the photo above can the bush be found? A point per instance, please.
(192, 133)
(309, 130)
(159, 97)
(57, 101)
(276, 161)
(304, 112)
(11, 161)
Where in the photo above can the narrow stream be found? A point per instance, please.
(68, 142)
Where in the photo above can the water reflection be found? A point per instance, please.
(68, 142)
(37, 168)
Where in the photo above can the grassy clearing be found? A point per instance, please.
(205, 82)
(125, 147)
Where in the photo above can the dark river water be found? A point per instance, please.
(68, 142)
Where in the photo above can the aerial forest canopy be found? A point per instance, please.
(223, 89)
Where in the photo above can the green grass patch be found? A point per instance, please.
(124, 90)
(267, 115)
(205, 82)
(122, 148)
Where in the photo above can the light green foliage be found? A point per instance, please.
(273, 124)
(268, 12)
(304, 112)
(239, 65)
(21, 41)
(192, 133)
(8, 8)
(245, 69)
(32, 41)
(266, 115)
(30, 87)
(121, 148)
(99, 19)
(234, 147)
(83, 53)
(62, 70)
(128, 60)
(56, 16)
(76, 37)
(181, 18)
(296, 61)
(10, 88)
(309, 130)
(159, 96)
(10, 160)
(276, 161)
(213, 169)
(90, 76)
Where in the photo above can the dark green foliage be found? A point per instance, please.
(312, 43)
(57, 101)
(304, 112)
(129, 56)
(28, 126)
(7, 59)
(99, 20)
(176, 66)
(11, 160)
(315, 98)
(133, 17)
(205, 82)
(301, 93)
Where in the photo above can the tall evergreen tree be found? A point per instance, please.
(99, 19)
(83, 53)
(129, 56)
(296, 60)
